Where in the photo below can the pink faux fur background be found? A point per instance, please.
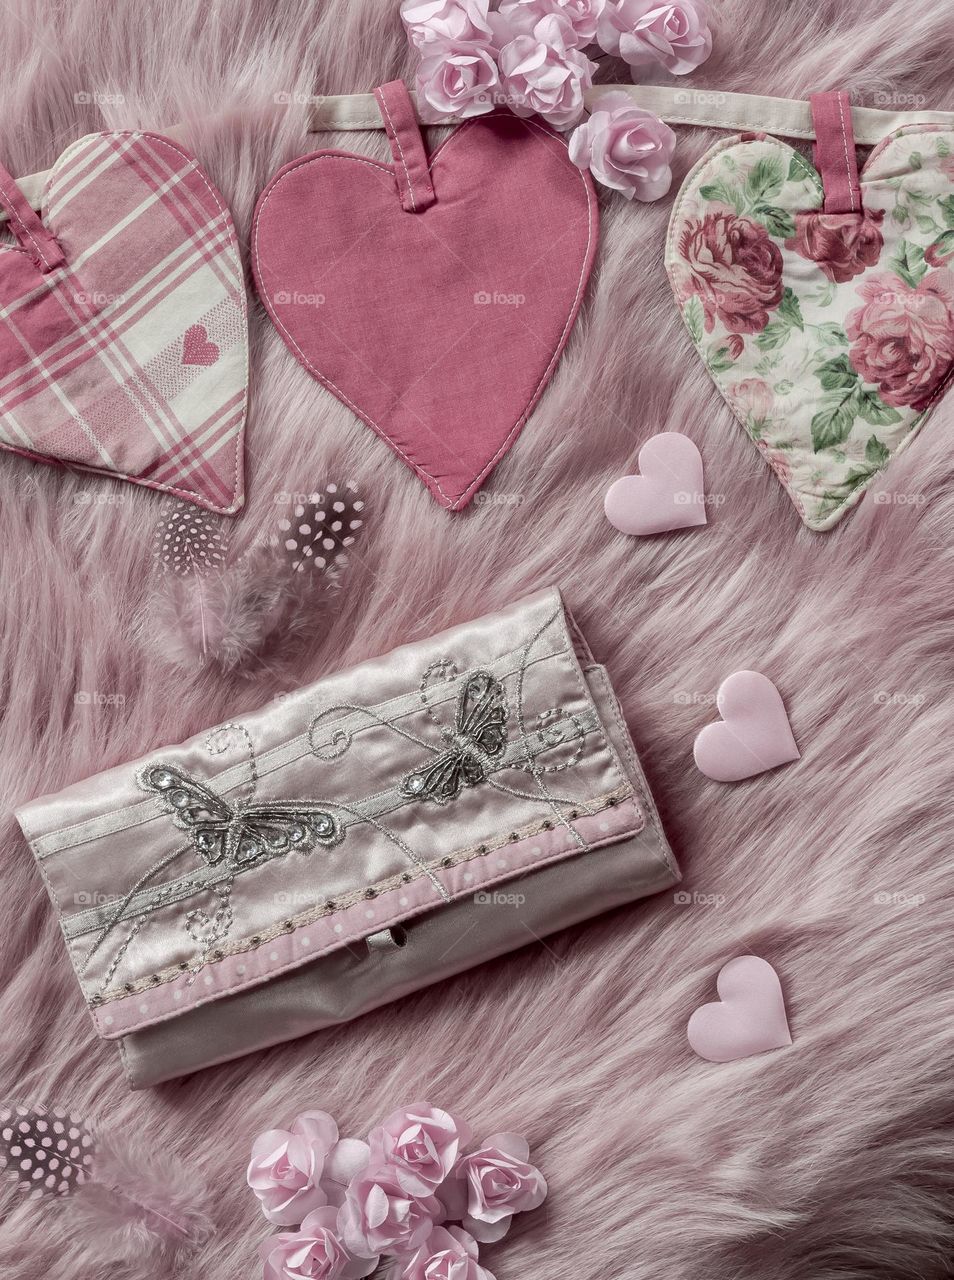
(834, 1158)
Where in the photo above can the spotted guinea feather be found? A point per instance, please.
(188, 540)
(316, 530)
(47, 1152)
(123, 1201)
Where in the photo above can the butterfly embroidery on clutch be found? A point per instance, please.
(238, 835)
(479, 735)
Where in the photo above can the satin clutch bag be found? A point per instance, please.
(384, 828)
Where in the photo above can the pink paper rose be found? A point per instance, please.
(902, 339)
(579, 17)
(295, 1171)
(734, 267)
(674, 34)
(456, 80)
(844, 245)
(419, 1147)
(314, 1252)
(624, 147)
(378, 1217)
(446, 1254)
(541, 74)
(432, 24)
(490, 1185)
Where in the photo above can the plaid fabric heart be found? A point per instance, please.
(123, 339)
(830, 334)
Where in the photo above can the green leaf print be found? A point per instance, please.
(856, 478)
(775, 334)
(719, 360)
(876, 454)
(830, 334)
(765, 181)
(824, 296)
(796, 169)
(947, 209)
(927, 226)
(837, 375)
(777, 222)
(692, 314)
(719, 193)
(908, 262)
(943, 148)
(788, 316)
(790, 310)
(832, 424)
(870, 406)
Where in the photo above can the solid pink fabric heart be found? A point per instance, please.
(667, 494)
(433, 296)
(748, 1018)
(754, 734)
(123, 342)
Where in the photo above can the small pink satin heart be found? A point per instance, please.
(748, 1018)
(196, 347)
(754, 734)
(667, 494)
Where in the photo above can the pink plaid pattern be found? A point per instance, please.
(96, 369)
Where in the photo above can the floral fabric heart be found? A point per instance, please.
(128, 356)
(831, 336)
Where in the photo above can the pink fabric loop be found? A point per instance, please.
(407, 146)
(43, 248)
(835, 156)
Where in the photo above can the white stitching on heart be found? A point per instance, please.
(393, 133)
(844, 140)
(13, 212)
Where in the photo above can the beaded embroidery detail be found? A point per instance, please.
(242, 834)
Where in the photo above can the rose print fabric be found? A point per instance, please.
(831, 336)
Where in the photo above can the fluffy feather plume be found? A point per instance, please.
(240, 615)
(190, 544)
(232, 616)
(122, 1204)
(137, 1203)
